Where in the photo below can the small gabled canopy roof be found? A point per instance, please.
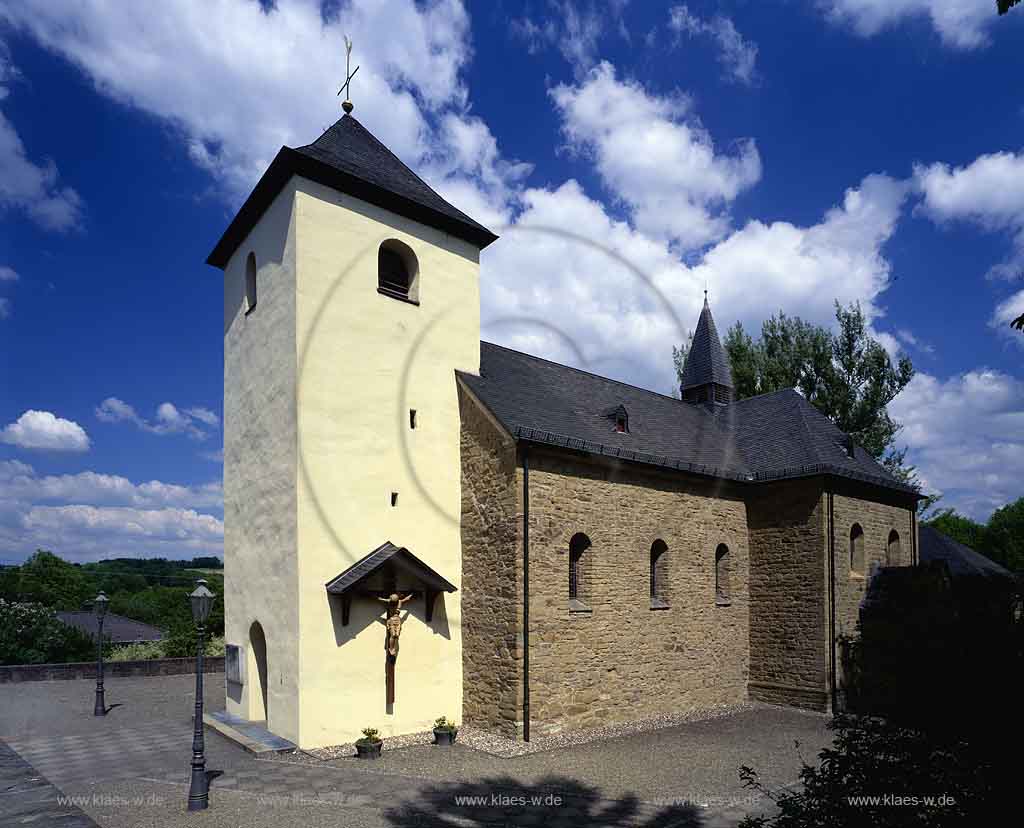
(706, 361)
(348, 158)
(389, 568)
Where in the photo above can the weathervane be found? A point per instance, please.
(347, 104)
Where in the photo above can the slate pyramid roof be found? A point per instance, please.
(348, 158)
(706, 361)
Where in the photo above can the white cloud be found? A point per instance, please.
(906, 336)
(987, 193)
(1008, 311)
(7, 274)
(20, 481)
(90, 515)
(737, 55)
(654, 155)
(238, 82)
(966, 435)
(169, 418)
(574, 28)
(989, 190)
(960, 24)
(204, 415)
(43, 430)
(82, 533)
(29, 186)
(632, 298)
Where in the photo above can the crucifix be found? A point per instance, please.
(393, 627)
(346, 86)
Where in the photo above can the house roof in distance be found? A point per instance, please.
(348, 158)
(961, 560)
(770, 437)
(118, 628)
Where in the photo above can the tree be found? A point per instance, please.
(31, 634)
(1018, 323)
(1004, 6)
(1000, 538)
(679, 360)
(1004, 541)
(47, 579)
(848, 376)
(960, 528)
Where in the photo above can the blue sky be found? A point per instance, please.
(783, 154)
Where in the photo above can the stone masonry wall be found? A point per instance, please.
(788, 594)
(622, 660)
(790, 602)
(491, 565)
(877, 519)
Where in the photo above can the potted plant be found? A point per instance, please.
(444, 731)
(369, 746)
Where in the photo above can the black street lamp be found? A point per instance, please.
(99, 606)
(199, 791)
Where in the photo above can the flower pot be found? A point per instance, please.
(444, 737)
(368, 750)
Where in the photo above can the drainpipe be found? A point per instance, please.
(832, 598)
(913, 535)
(526, 595)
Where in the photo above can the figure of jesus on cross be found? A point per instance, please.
(393, 627)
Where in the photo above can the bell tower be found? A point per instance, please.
(351, 298)
(706, 375)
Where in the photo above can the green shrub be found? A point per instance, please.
(140, 651)
(30, 633)
(370, 736)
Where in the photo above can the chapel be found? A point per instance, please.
(421, 524)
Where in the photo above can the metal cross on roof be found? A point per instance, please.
(345, 87)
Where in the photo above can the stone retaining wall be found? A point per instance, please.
(120, 669)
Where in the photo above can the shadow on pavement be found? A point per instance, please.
(552, 802)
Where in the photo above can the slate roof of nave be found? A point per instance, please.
(768, 437)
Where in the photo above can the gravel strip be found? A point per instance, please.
(505, 748)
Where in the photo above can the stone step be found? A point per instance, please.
(252, 736)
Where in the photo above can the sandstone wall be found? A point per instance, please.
(790, 602)
(621, 659)
(491, 592)
(788, 594)
(877, 519)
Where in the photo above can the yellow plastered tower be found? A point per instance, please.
(351, 298)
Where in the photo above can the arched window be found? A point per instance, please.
(659, 579)
(397, 271)
(579, 544)
(893, 553)
(856, 549)
(250, 283)
(722, 567)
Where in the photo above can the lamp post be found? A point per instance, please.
(199, 791)
(99, 606)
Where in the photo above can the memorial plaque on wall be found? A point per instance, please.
(233, 663)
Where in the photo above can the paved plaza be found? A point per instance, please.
(61, 766)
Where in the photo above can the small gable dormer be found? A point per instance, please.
(619, 418)
(706, 375)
